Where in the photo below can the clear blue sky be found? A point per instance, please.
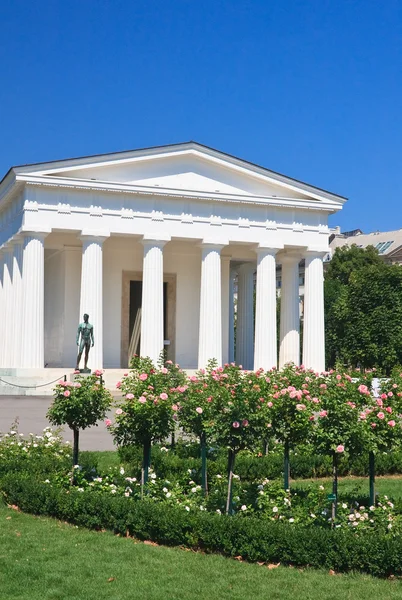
(311, 88)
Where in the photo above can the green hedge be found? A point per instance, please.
(250, 537)
(303, 464)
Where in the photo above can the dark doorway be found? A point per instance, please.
(135, 304)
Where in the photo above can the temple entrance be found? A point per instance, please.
(131, 316)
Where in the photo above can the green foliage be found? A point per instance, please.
(350, 259)
(363, 310)
(148, 410)
(41, 454)
(252, 538)
(81, 403)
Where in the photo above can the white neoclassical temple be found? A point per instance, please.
(148, 243)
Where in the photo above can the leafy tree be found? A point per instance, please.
(363, 310)
(349, 259)
(79, 404)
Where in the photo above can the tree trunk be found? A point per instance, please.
(286, 466)
(372, 478)
(204, 477)
(231, 462)
(334, 484)
(146, 461)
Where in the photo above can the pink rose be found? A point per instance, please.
(77, 372)
(77, 385)
(389, 409)
(118, 385)
(363, 389)
(390, 394)
(270, 404)
(340, 448)
(209, 399)
(391, 423)
(394, 385)
(199, 410)
(98, 372)
(119, 411)
(384, 396)
(323, 386)
(339, 377)
(163, 396)
(164, 370)
(315, 400)
(193, 378)
(373, 425)
(380, 415)
(323, 413)
(108, 422)
(175, 407)
(244, 422)
(66, 393)
(169, 362)
(125, 374)
(129, 396)
(379, 402)
(142, 399)
(236, 424)
(362, 416)
(301, 406)
(143, 377)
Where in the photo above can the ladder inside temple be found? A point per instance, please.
(135, 337)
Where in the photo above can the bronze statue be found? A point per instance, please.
(86, 331)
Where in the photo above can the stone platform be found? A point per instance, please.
(40, 382)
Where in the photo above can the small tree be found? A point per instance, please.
(293, 401)
(79, 404)
(197, 410)
(338, 428)
(239, 420)
(148, 410)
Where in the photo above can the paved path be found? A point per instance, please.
(31, 413)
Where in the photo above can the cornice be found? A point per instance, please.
(126, 189)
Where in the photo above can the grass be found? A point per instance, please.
(45, 559)
(358, 487)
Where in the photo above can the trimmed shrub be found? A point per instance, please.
(251, 538)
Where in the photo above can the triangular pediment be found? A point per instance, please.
(188, 167)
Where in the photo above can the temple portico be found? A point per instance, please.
(150, 244)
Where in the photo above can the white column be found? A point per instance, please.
(210, 334)
(245, 316)
(32, 356)
(265, 313)
(152, 299)
(289, 350)
(8, 313)
(2, 308)
(17, 323)
(232, 278)
(225, 286)
(91, 298)
(313, 321)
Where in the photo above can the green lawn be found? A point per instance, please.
(44, 559)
